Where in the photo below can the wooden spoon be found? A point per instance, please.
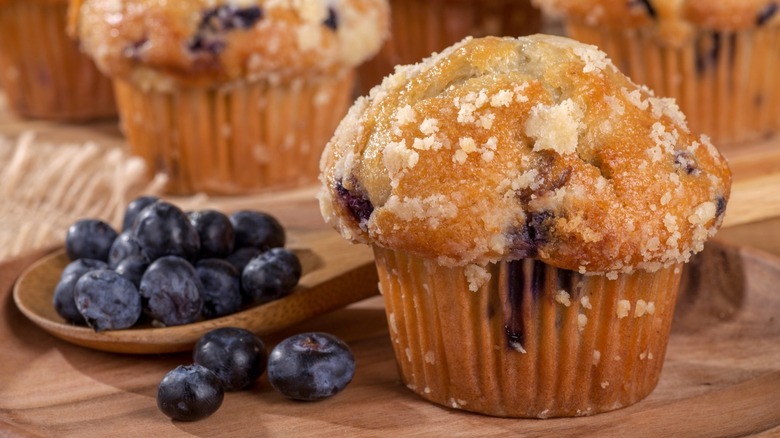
(335, 273)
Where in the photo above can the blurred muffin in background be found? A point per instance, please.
(230, 97)
(718, 59)
(42, 71)
(421, 27)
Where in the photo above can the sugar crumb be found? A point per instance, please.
(501, 98)
(476, 276)
(555, 127)
(585, 302)
(429, 126)
(405, 115)
(562, 297)
(623, 307)
(582, 321)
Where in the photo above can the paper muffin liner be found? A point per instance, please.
(532, 341)
(42, 71)
(241, 139)
(419, 28)
(725, 82)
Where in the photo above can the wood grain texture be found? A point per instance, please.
(721, 376)
(335, 274)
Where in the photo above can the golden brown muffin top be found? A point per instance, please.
(501, 149)
(161, 44)
(710, 14)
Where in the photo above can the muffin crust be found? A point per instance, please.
(161, 45)
(536, 147)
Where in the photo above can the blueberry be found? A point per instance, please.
(686, 162)
(243, 256)
(647, 6)
(526, 241)
(310, 366)
(215, 231)
(134, 208)
(107, 300)
(133, 268)
(82, 266)
(63, 300)
(172, 291)
(720, 206)
(189, 393)
(358, 205)
(235, 355)
(332, 21)
(766, 13)
(209, 36)
(162, 229)
(221, 287)
(125, 245)
(89, 239)
(257, 229)
(271, 275)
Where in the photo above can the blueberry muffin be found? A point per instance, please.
(421, 27)
(230, 97)
(530, 209)
(718, 59)
(42, 72)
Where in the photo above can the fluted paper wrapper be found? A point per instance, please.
(724, 82)
(532, 341)
(242, 139)
(42, 71)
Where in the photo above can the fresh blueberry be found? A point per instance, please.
(124, 246)
(271, 275)
(310, 366)
(89, 239)
(63, 300)
(172, 291)
(82, 266)
(189, 393)
(221, 287)
(257, 229)
(133, 268)
(162, 229)
(134, 208)
(107, 300)
(243, 256)
(235, 355)
(215, 231)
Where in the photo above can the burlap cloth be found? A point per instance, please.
(46, 187)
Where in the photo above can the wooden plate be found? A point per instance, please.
(335, 273)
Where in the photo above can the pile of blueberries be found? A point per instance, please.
(309, 366)
(172, 267)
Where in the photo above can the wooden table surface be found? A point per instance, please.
(49, 387)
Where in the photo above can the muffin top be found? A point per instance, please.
(161, 44)
(710, 14)
(535, 147)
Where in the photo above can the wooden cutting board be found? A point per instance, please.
(721, 376)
